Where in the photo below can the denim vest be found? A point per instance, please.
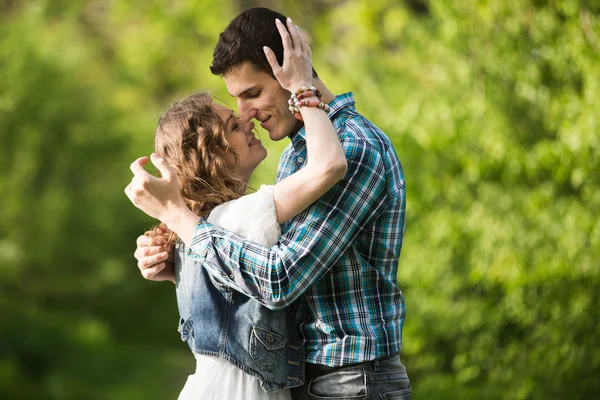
(218, 321)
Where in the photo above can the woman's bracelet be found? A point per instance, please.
(297, 101)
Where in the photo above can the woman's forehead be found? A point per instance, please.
(220, 108)
(223, 111)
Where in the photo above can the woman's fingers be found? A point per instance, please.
(294, 35)
(272, 60)
(304, 39)
(285, 37)
(307, 50)
(296, 69)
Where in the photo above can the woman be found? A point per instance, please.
(239, 344)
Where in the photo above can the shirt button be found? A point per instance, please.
(231, 276)
(300, 159)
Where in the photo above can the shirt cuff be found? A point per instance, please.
(202, 238)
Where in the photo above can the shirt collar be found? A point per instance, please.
(338, 104)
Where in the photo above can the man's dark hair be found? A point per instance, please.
(243, 40)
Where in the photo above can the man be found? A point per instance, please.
(341, 254)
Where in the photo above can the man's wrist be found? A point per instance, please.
(182, 221)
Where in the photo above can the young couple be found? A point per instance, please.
(288, 292)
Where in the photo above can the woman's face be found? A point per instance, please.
(240, 135)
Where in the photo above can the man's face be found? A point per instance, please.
(260, 96)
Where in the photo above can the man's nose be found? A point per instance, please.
(246, 111)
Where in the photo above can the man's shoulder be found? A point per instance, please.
(365, 144)
(355, 130)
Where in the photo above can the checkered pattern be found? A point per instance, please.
(342, 252)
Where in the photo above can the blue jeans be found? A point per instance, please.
(382, 379)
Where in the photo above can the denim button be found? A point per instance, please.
(300, 159)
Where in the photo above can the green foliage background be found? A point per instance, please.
(492, 106)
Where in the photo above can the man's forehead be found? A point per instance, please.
(244, 78)
(237, 89)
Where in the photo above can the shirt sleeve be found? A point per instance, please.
(316, 239)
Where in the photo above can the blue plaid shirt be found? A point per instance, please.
(341, 253)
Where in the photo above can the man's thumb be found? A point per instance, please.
(166, 172)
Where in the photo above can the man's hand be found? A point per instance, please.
(155, 260)
(160, 198)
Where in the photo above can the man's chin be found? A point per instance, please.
(276, 136)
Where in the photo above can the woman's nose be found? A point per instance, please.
(249, 126)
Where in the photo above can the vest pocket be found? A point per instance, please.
(267, 348)
(218, 283)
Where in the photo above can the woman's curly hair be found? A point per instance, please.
(191, 137)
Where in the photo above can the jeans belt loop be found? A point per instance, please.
(313, 370)
(376, 365)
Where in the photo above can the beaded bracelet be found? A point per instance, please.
(303, 89)
(296, 101)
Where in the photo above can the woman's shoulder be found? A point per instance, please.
(262, 198)
(250, 213)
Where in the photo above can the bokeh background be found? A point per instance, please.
(493, 107)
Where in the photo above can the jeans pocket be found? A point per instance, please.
(389, 380)
(339, 385)
(403, 394)
(267, 348)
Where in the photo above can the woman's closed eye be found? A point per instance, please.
(233, 122)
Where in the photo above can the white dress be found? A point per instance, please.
(253, 217)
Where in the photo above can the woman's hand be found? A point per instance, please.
(296, 70)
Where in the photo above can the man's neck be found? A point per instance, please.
(327, 95)
(327, 98)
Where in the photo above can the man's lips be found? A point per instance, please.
(265, 121)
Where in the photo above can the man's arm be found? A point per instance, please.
(278, 275)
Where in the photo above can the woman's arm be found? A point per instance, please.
(325, 166)
(326, 163)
